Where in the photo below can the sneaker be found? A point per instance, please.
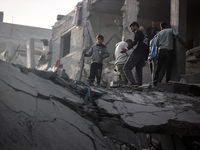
(133, 85)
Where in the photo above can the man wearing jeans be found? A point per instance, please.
(165, 43)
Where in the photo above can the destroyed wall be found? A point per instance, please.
(83, 36)
(11, 35)
(98, 18)
(193, 37)
(61, 28)
(68, 49)
(104, 24)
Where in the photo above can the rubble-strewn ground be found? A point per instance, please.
(39, 110)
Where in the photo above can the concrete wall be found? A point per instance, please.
(158, 10)
(82, 37)
(64, 26)
(11, 35)
(18, 34)
(60, 28)
(104, 24)
(174, 12)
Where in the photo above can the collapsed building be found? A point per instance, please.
(19, 43)
(125, 115)
(76, 32)
(41, 110)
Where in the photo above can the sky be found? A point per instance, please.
(36, 13)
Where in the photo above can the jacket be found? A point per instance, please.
(141, 48)
(165, 38)
(98, 53)
(120, 58)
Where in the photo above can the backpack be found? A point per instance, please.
(154, 49)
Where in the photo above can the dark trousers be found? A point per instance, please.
(95, 71)
(137, 61)
(163, 65)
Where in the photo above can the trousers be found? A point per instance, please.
(163, 65)
(95, 71)
(137, 61)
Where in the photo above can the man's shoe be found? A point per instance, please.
(133, 85)
(89, 82)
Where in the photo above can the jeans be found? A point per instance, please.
(163, 65)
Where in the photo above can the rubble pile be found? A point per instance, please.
(41, 110)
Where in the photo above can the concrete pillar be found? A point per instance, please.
(1, 16)
(178, 19)
(30, 53)
(130, 12)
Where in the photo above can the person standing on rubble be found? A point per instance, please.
(138, 56)
(165, 43)
(98, 52)
(120, 60)
(152, 30)
(153, 55)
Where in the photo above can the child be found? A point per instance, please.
(98, 53)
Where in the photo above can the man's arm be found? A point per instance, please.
(180, 38)
(136, 39)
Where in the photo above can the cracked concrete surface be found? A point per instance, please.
(38, 112)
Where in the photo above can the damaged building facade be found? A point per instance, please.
(40, 110)
(76, 32)
(15, 40)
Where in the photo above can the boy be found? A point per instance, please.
(98, 53)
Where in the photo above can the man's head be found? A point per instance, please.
(129, 41)
(134, 26)
(99, 39)
(163, 25)
(153, 24)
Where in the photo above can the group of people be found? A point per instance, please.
(129, 54)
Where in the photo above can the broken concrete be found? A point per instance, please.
(39, 110)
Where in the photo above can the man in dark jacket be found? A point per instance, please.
(152, 30)
(138, 57)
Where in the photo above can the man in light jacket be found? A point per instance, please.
(120, 60)
(165, 44)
